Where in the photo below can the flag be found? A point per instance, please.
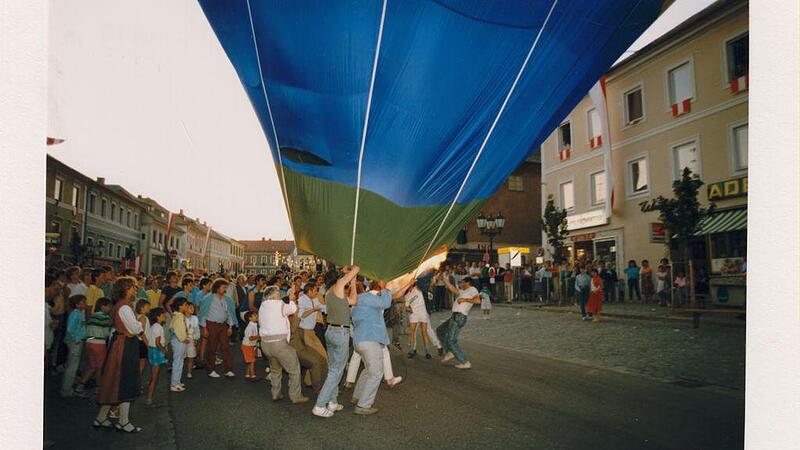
(599, 100)
(170, 220)
(740, 84)
(682, 107)
(563, 154)
(53, 141)
(205, 245)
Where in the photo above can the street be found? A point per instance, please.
(531, 386)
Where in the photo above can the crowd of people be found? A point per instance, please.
(104, 329)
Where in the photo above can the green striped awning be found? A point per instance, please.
(723, 221)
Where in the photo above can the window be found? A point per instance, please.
(76, 191)
(57, 189)
(737, 56)
(685, 155)
(172, 241)
(739, 141)
(263, 260)
(101, 246)
(92, 201)
(567, 193)
(121, 213)
(119, 251)
(597, 181)
(564, 137)
(681, 84)
(55, 226)
(515, 183)
(128, 218)
(594, 126)
(136, 221)
(155, 236)
(253, 260)
(638, 176)
(634, 106)
(113, 210)
(103, 204)
(110, 250)
(89, 242)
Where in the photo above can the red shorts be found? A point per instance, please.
(249, 353)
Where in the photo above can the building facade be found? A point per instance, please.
(113, 226)
(266, 255)
(162, 246)
(218, 253)
(65, 209)
(237, 256)
(519, 201)
(680, 102)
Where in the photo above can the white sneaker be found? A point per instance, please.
(189, 375)
(466, 365)
(335, 406)
(394, 381)
(322, 412)
(213, 374)
(182, 385)
(176, 388)
(230, 374)
(447, 357)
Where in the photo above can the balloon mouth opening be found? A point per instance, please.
(303, 157)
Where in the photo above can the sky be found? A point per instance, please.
(144, 96)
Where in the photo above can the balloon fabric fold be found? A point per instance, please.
(391, 122)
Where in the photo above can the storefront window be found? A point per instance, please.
(606, 250)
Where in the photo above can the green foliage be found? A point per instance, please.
(681, 214)
(554, 224)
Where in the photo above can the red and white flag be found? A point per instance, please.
(564, 154)
(595, 142)
(740, 84)
(682, 107)
(170, 220)
(205, 245)
(137, 264)
(598, 96)
(54, 141)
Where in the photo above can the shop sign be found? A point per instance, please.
(582, 237)
(658, 234)
(588, 219)
(722, 190)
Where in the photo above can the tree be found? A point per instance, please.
(554, 223)
(682, 214)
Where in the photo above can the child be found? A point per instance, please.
(98, 329)
(596, 297)
(155, 354)
(486, 302)
(179, 340)
(249, 344)
(76, 333)
(142, 309)
(680, 288)
(193, 330)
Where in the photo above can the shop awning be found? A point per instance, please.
(723, 222)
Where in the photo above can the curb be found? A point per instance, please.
(567, 310)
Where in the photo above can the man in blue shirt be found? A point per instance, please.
(217, 318)
(369, 338)
(583, 287)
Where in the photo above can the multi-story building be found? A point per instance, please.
(266, 255)
(519, 201)
(65, 207)
(218, 253)
(681, 101)
(113, 224)
(236, 256)
(162, 245)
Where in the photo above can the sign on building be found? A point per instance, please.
(585, 220)
(722, 190)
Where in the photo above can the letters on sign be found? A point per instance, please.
(727, 189)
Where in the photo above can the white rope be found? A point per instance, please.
(272, 121)
(364, 132)
(491, 130)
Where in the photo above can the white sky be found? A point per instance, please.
(145, 97)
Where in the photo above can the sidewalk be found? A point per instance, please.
(636, 311)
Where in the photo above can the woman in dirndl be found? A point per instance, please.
(120, 380)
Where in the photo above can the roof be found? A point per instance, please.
(717, 8)
(268, 246)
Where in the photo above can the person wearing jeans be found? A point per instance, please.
(337, 339)
(583, 286)
(76, 334)
(180, 337)
(448, 332)
(370, 338)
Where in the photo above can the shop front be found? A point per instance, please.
(583, 246)
(725, 233)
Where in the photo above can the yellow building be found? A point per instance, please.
(681, 101)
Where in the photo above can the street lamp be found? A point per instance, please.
(491, 226)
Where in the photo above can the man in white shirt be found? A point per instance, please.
(448, 332)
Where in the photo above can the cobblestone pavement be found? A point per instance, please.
(668, 351)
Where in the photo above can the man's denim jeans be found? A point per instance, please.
(338, 340)
(448, 334)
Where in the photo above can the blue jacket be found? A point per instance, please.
(367, 316)
(205, 305)
(76, 326)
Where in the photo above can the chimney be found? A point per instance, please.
(263, 239)
(204, 223)
(181, 212)
(101, 181)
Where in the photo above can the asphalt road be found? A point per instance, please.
(510, 399)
